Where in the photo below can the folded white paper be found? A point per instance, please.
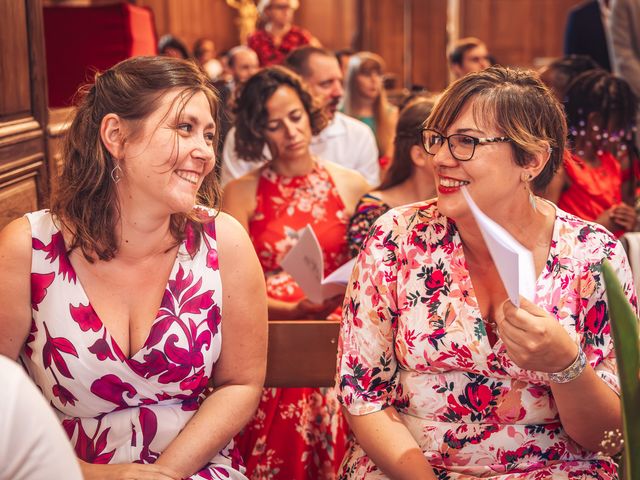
(513, 261)
(304, 262)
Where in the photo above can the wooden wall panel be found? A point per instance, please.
(192, 19)
(429, 44)
(333, 22)
(521, 33)
(23, 113)
(15, 99)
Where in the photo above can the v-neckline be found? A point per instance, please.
(475, 310)
(113, 342)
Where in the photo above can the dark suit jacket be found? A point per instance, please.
(584, 34)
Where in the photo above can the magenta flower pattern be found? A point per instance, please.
(117, 409)
(412, 337)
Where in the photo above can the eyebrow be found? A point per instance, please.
(470, 130)
(195, 120)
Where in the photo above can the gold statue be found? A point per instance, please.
(247, 17)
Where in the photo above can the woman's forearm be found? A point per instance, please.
(390, 445)
(221, 416)
(578, 400)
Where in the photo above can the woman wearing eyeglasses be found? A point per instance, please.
(440, 375)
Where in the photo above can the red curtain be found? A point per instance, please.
(82, 40)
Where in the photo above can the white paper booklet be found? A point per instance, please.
(513, 261)
(305, 264)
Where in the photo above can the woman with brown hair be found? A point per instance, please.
(440, 374)
(129, 295)
(298, 432)
(408, 180)
(365, 99)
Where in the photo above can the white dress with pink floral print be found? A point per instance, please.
(413, 337)
(117, 409)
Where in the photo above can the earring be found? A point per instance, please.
(526, 178)
(116, 173)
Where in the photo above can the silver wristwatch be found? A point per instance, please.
(573, 371)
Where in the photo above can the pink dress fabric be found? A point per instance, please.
(117, 409)
(413, 337)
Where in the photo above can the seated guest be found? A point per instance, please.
(408, 180)
(344, 141)
(559, 74)
(242, 63)
(129, 295)
(204, 52)
(600, 111)
(33, 445)
(366, 100)
(344, 55)
(468, 55)
(297, 432)
(441, 375)
(170, 46)
(277, 35)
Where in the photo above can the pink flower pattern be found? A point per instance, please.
(117, 409)
(416, 341)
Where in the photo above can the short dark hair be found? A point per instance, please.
(462, 46)
(559, 74)
(169, 41)
(518, 104)
(251, 110)
(602, 92)
(298, 59)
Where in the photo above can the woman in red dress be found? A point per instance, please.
(278, 35)
(592, 182)
(297, 433)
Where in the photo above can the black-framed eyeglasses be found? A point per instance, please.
(461, 146)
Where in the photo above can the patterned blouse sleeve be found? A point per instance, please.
(597, 338)
(366, 377)
(367, 212)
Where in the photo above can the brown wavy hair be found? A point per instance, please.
(252, 115)
(85, 201)
(518, 104)
(408, 134)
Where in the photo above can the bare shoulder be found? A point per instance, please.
(239, 197)
(350, 184)
(346, 175)
(230, 234)
(244, 185)
(15, 240)
(15, 284)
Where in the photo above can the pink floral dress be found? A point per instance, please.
(117, 409)
(413, 337)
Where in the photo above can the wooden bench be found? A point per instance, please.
(302, 353)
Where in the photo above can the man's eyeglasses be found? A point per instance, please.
(461, 146)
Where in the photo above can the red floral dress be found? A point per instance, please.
(262, 42)
(297, 433)
(113, 408)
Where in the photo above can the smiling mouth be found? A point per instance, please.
(451, 183)
(190, 177)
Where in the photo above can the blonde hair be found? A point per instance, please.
(365, 62)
